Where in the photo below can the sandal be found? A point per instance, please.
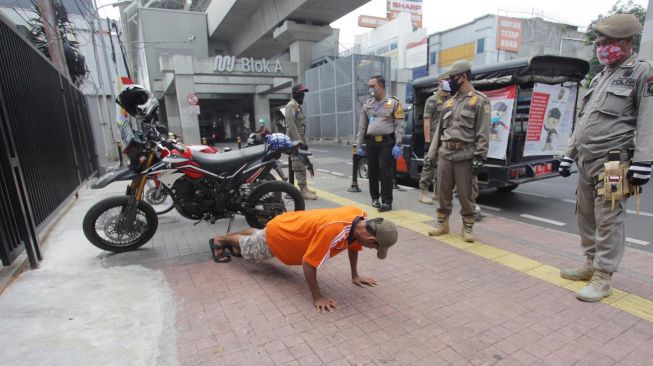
(222, 258)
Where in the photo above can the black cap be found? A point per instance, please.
(299, 88)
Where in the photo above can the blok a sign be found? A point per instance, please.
(246, 65)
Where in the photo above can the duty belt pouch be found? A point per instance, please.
(615, 184)
(378, 138)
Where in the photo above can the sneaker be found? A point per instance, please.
(600, 286)
(376, 203)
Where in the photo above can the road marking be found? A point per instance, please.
(641, 213)
(533, 194)
(637, 241)
(417, 222)
(491, 208)
(573, 202)
(542, 219)
(338, 174)
(319, 150)
(349, 163)
(406, 187)
(324, 171)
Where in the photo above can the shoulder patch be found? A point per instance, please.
(486, 107)
(448, 103)
(472, 101)
(439, 101)
(628, 64)
(399, 112)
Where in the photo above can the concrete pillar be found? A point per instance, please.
(172, 113)
(185, 85)
(301, 53)
(646, 46)
(262, 109)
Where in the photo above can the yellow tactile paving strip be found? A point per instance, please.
(414, 221)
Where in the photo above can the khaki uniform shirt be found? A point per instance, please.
(465, 118)
(295, 122)
(617, 108)
(433, 109)
(380, 118)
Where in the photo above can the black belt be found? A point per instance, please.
(379, 138)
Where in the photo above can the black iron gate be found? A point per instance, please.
(47, 149)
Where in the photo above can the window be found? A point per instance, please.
(433, 58)
(480, 45)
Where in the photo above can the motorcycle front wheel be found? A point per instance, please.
(103, 225)
(270, 199)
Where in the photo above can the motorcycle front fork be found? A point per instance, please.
(135, 194)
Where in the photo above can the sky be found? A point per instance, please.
(439, 15)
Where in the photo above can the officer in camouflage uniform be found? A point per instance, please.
(381, 128)
(460, 146)
(296, 130)
(432, 111)
(616, 110)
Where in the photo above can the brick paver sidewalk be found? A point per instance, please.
(435, 304)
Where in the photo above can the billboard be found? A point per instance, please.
(369, 21)
(415, 53)
(414, 7)
(509, 34)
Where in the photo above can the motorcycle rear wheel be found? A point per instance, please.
(102, 225)
(270, 199)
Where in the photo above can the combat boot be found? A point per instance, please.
(600, 286)
(424, 197)
(468, 232)
(307, 194)
(442, 227)
(583, 273)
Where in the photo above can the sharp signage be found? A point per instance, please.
(509, 34)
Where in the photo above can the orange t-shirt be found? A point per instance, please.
(313, 236)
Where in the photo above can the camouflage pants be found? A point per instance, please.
(255, 247)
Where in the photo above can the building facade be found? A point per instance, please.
(492, 38)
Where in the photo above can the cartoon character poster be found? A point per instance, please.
(549, 120)
(502, 102)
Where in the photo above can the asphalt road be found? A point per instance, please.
(548, 203)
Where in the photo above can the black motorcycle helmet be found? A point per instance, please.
(137, 101)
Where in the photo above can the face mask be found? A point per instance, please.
(372, 92)
(298, 97)
(609, 54)
(454, 85)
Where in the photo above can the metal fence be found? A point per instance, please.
(338, 90)
(47, 148)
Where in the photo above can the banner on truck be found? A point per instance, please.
(502, 102)
(550, 120)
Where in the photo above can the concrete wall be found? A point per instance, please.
(539, 37)
(171, 28)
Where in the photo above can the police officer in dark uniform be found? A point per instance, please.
(381, 128)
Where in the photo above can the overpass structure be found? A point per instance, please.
(239, 57)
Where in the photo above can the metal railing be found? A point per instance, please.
(46, 144)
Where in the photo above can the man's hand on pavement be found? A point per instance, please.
(360, 281)
(323, 305)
